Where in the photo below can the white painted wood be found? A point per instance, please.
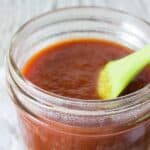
(14, 13)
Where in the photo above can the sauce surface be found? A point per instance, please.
(71, 68)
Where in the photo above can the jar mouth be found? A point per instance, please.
(19, 78)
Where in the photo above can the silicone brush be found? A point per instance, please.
(116, 75)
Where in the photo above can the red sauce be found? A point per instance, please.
(70, 69)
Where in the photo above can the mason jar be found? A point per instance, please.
(52, 122)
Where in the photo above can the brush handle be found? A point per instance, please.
(137, 60)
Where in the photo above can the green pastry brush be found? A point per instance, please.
(116, 75)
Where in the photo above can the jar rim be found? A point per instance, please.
(62, 99)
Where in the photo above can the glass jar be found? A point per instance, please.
(52, 122)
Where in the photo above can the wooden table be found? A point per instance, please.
(14, 13)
